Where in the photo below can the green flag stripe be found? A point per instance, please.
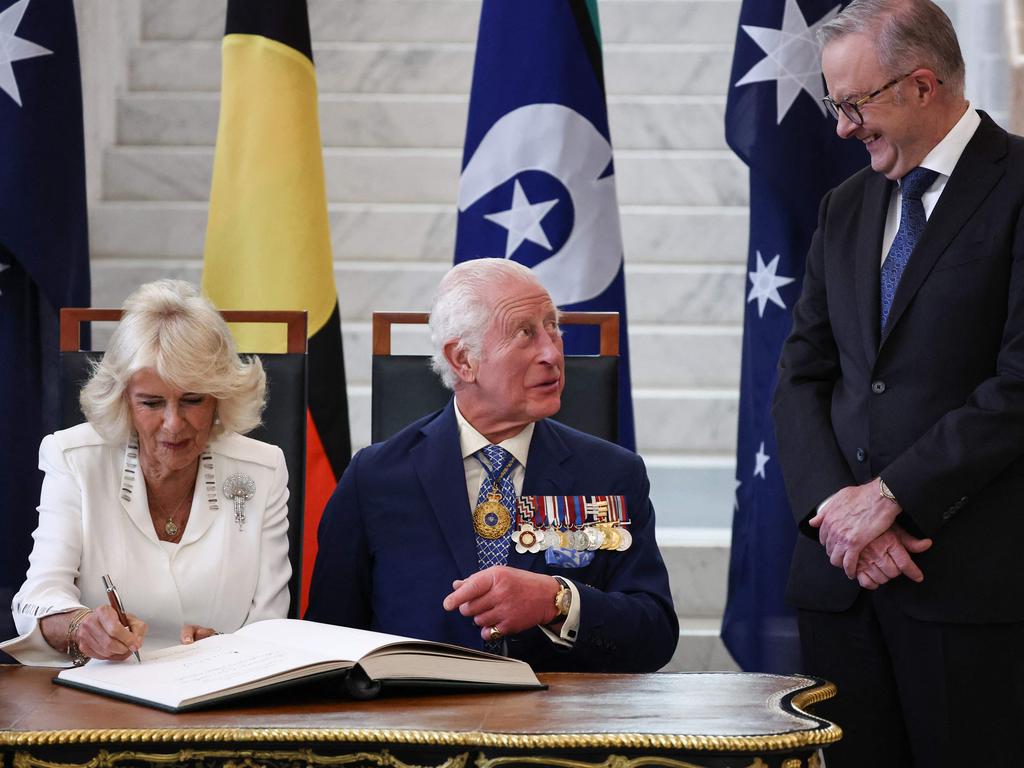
(585, 14)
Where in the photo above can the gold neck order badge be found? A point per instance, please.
(491, 518)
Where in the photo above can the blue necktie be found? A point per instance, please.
(495, 551)
(912, 221)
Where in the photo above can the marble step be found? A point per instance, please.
(708, 295)
(678, 177)
(692, 491)
(415, 67)
(700, 648)
(413, 120)
(417, 232)
(697, 560)
(450, 20)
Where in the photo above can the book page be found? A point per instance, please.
(343, 643)
(177, 675)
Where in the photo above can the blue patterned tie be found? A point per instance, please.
(495, 551)
(912, 221)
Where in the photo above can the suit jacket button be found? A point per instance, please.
(878, 387)
(861, 455)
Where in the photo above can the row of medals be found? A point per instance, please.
(492, 520)
(610, 536)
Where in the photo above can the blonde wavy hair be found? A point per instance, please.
(169, 327)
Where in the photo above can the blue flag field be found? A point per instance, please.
(775, 123)
(538, 183)
(44, 252)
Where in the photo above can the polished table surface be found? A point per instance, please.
(660, 713)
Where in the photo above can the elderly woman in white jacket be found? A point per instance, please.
(160, 491)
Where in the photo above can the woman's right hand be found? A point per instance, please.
(101, 636)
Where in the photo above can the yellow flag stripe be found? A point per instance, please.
(268, 237)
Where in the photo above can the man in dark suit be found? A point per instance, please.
(412, 544)
(900, 407)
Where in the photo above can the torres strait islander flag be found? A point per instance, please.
(538, 180)
(268, 240)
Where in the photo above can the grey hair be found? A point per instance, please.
(167, 326)
(461, 309)
(907, 34)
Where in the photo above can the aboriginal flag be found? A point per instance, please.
(268, 240)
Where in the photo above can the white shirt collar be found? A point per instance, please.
(945, 155)
(472, 441)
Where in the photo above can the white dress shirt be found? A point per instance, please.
(942, 159)
(518, 445)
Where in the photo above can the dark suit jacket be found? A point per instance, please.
(935, 404)
(398, 531)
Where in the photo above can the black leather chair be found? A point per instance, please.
(284, 420)
(404, 388)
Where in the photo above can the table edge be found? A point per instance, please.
(825, 733)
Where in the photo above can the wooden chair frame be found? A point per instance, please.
(607, 321)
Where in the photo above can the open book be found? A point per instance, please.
(279, 651)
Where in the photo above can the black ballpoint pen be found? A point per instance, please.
(117, 605)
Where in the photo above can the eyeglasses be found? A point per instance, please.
(851, 109)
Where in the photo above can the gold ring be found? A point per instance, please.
(495, 635)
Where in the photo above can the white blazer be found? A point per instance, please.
(94, 520)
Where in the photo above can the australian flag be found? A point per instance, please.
(776, 123)
(44, 251)
(538, 183)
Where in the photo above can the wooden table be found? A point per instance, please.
(581, 721)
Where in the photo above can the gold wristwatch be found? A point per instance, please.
(563, 599)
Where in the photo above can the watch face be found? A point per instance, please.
(564, 601)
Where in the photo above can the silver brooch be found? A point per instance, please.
(239, 488)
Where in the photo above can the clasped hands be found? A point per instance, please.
(508, 599)
(859, 532)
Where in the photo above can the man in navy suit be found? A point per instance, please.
(900, 408)
(407, 545)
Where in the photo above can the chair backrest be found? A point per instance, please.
(284, 419)
(404, 388)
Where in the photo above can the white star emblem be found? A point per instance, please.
(522, 220)
(14, 48)
(765, 284)
(2, 268)
(761, 458)
(793, 58)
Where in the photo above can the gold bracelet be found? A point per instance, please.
(77, 657)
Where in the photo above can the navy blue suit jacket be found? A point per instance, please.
(397, 532)
(934, 403)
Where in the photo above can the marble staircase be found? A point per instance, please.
(394, 78)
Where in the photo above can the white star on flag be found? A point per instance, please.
(761, 458)
(14, 48)
(793, 58)
(522, 220)
(765, 284)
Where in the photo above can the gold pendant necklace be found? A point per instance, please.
(171, 528)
